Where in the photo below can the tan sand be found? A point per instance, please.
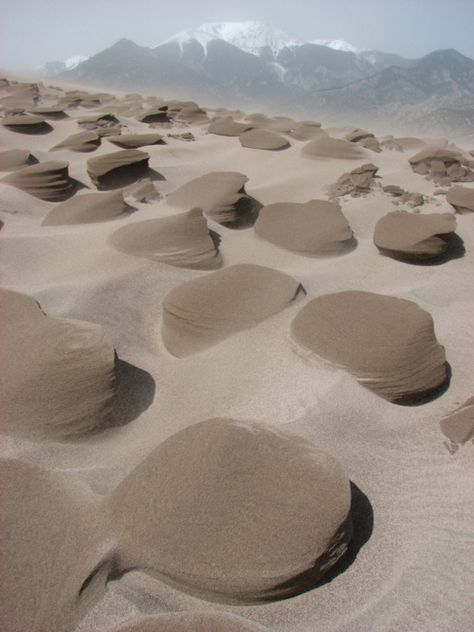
(13, 159)
(358, 134)
(181, 240)
(26, 124)
(228, 127)
(132, 141)
(87, 208)
(83, 142)
(307, 131)
(328, 147)
(411, 237)
(237, 509)
(388, 343)
(48, 181)
(458, 426)
(263, 139)
(154, 115)
(119, 168)
(190, 622)
(462, 199)
(200, 313)
(313, 228)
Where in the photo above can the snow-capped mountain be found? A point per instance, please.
(337, 44)
(74, 61)
(53, 68)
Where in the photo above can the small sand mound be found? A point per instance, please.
(60, 379)
(132, 141)
(87, 209)
(202, 312)
(15, 158)
(222, 197)
(356, 183)
(263, 139)
(26, 124)
(328, 147)
(307, 131)
(191, 622)
(180, 240)
(458, 426)
(47, 181)
(82, 142)
(316, 227)
(103, 117)
(143, 190)
(154, 115)
(49, 111)
(264, 513)
(387, 343)
(117, 169)
(358, 134)
(228, 127)
(414, 237)
(462, 199)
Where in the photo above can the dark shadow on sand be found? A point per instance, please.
(425, 398)
(126, 175)
(455, 250)
(33, 130)
(248, 209)
(216, 238)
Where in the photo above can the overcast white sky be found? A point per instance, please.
(35, 31)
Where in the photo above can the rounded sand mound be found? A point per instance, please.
(414, 237)
(180, 240)
(462, 199)
(47, 181)
(328, 147)
(313, 228)
(13, 159)
(49, 111)
(132, 141)
(307, 131)
(82, 142)
(87, 209)
(155, 115)
(358, 134)
(387, 343)
(60, 379)
(26, 124)
(263, 513)
(191, 622)
(202, 312)
(222, 197)
(118, 169)
(228, 127)
(263, 139)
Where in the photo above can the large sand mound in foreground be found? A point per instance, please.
(47, 181)
(315, 227)
(199, 313)
(387, 343)
(235, 508)
(181, 240)
(87, 209)
(61, 377)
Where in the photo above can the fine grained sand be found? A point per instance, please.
(409, 563)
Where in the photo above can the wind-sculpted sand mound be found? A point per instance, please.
(462, 199)
(387, 343)
(180, 240)
(143, 190)
(358, 182)
(313, 228)
(13, 159)
(458, 427)
(96, 119)
(154, 115)
(191, 622)
(202, 312)
(414, 237)
(82, 142)
(228, 127)
(118, 169)
(49, 111)
(307, 131)
(132, 141)
(26, 124)
(263, 139)
(49, 550)
(358, 134)
(47, 181)
(222, 197)
(235, 510)
(59, 379)
(442, 165)
(328, 147)
(87, 209)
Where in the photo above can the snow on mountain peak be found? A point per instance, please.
(74, 61)
(337, 44)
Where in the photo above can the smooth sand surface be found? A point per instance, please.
(328, 147)
(190, 622)
(263, 139)
(13, 159)
(461, 198)
(87, 208)
(82, 141)
(228, 127)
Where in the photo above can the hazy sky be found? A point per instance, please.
(35, 31)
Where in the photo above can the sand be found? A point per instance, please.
(26, 124)
(87, 209)
(462, 199)
(13, 159)
(190, 622)
(132, 141)
(83, 142)
(110, 171)
(263, 139)
(327, 147)
(47, 181)
(228, 127)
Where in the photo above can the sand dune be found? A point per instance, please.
(26, 124)
(462, 199)
(410, 237)
(263, 139)
(202, 312)
(48, 181)
(60, 379)
(132, 141)
(83, 142)
(181, 240)
(228, 127)
(313, 228)
(237, 509)
(87, 209)
(119, 168)
(328, 147)
(387, 343)
(13, 159)
(143, 190)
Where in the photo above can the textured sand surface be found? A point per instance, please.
(47, 181)
(87, 208)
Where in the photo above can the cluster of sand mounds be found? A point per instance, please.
(200, 313)
(387, 343)
(181, 240)
(26, 124)
(228, 127)
(191, 622)
(458, 426)
(442, 165)
(358, 182)
(47, 181)
(117, 169)
(82, 142)
(328, 147)
(133, 141)
(60, 379)
(87, 209)
(222, 197)
(13, 159)
(313, 228)
(235, 509)
(414, 237)
(263, 139)
(462, 199)
(307, 130)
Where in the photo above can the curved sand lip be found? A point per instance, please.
(132, 141)
(358, 134)
(313, 228)
(328, 147)
(88, 208)
(26, 124)
(414, 237)
(461, 198)
(200, 313)
(222, 197)
(264, 514)
(387, 343)
(82, 142)
(118, 169)
(49, 111)
(47, 181)
(61, 375)
(181, 240)
(263, 139)
(13, 159)
(228, 127)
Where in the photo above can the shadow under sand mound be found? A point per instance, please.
(38, 129)
(216, 238)
(126, 175)
(455, 250)
(247, 209)
(418, 399)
